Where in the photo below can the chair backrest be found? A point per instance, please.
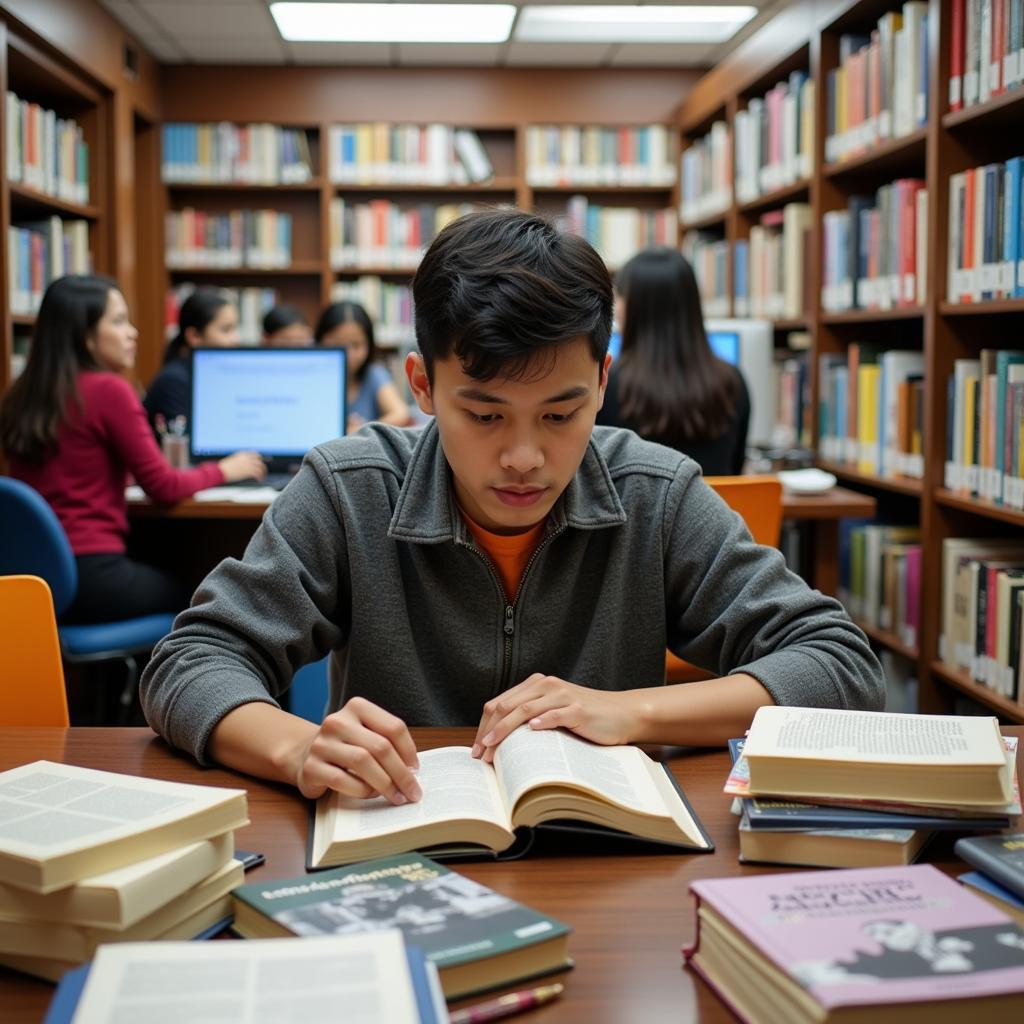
(33, 542)
(758, 499)
(31, 674)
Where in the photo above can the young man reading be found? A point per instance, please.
(507, 563)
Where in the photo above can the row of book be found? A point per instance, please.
(252, 305)
(982, 580)
(706, 185)
(244, 154)
(405, 154)
(871, 410)
(879, 90)
(771, 266)
(876, 250)
(388, 303)
(382, 233)
(792, 385)
(986, 233)
(709, 256)
(45, 152)
(619, 232)
(239, 238)
(880, 577)
(775, 138)
(567, 155)
(40, 252)
(984, 424)
(986, 50)
(120, 859)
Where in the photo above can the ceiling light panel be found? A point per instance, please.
(630, 24)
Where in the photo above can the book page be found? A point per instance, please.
(819, 734)
(47, 808)
(351, 977)
(530, 757)
(455, 785)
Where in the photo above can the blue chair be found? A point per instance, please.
(33, 542)
(307, 697)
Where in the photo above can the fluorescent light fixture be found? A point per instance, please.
(393, 23)
(622, 24)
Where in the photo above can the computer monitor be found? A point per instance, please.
(279, 402)
(750, 345)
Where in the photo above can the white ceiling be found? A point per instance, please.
(243, 32)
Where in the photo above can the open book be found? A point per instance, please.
(921, 759)
(537, 777)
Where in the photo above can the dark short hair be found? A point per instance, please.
(199, 310)
(497, 286)
(348, 312)
(284, 315)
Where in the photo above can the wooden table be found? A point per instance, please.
(191, 537)
(630, 912)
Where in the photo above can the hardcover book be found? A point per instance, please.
(538, 777)
(60, 824)
(477, 938)
(374, 977)
(817, 752)
(864, 945)
(1008, 902)
(999, 857)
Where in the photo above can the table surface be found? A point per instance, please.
(630, 912)
(835, 503)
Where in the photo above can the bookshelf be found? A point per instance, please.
(946, 143)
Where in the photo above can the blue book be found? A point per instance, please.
(1012, 222)
(429, 998)
(980, 881)
(792, 816)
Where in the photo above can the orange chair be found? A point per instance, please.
(31, 674)
(758, 499)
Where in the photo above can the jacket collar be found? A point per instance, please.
(426, 511)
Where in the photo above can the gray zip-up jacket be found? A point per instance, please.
(366, 556)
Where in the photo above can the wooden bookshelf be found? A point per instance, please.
(884, 638)
(797, 192)
(943, 332)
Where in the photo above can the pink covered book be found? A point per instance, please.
(885, 938)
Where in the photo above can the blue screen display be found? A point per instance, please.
(725, 345)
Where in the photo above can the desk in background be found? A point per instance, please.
(630, 912)
(190, 538)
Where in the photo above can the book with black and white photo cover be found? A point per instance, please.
(538, 777)
(940, 759)
(477, 938)
(60, 823)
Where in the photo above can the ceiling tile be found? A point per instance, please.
(660, 55)
(556, 54)
(229, 50)
(130, 16)
(457, 54)
(217, 19)
(162, 50)
(340, 53)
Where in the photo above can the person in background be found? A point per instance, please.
(286, 326)
(372, 394)
(73, 428)
(207, 317)
(667, 385)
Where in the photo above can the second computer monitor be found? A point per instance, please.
(280, 402)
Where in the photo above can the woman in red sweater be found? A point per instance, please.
(73, 429)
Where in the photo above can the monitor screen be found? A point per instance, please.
(279, 402)
(725, 345)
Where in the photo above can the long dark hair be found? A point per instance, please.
(670, 383)
(497, 286)
(348, 313)
(37, 403)
(197, 311)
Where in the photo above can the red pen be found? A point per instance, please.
(505, 1006)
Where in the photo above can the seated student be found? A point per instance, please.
(73, 428)
(207, 317)
(372, 394)
(286, 326)
(505, 563)
(667, 384)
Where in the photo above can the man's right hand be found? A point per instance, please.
(361, 751)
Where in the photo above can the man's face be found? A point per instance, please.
(513, 446)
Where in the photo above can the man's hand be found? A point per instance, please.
(547, 702)
(361, 751)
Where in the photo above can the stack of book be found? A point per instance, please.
(1000, 875)
(90, 857)
(828, 788)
